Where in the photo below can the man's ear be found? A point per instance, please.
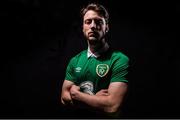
(107, 28)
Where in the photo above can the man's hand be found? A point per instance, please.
(103, 92)
(74, 91)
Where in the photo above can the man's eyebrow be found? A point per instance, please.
(94, 19)
(88, 19)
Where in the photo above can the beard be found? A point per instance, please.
(94, 37)
(96, 41)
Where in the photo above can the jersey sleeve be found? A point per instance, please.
(70, 71)
(120, 69)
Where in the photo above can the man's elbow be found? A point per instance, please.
(111, 109)
(62, 101)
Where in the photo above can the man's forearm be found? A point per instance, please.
(108, 100)
(101, 102)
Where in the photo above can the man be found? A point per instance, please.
(96, 76)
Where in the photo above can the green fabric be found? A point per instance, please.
(111, 66)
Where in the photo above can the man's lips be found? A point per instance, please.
(92, 34)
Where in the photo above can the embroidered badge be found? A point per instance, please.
(102, 69)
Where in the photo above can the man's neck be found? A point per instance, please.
(95, 46)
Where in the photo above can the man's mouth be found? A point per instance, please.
(92, 34)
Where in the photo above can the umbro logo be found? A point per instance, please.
(78, 69)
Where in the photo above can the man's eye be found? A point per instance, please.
(100, 22)
(88, 22)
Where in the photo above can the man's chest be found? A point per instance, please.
(93, 72)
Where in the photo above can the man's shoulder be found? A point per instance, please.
(80, 54)
(116, 54)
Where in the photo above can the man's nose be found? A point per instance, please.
(93, 25)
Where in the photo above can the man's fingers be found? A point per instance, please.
(104, 90)
(67, 102)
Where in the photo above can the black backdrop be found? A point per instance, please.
(39, 37)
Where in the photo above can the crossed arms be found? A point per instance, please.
(109, 100)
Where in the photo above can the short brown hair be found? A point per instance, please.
(97, 8)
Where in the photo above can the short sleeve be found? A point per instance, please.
(70, 71)
(120, 69)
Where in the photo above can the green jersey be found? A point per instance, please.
(93, 74)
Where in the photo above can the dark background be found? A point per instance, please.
(39, 37)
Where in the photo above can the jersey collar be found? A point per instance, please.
(98, 53)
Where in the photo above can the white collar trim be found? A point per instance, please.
(98, 53)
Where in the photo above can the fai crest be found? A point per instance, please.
(102, 69)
